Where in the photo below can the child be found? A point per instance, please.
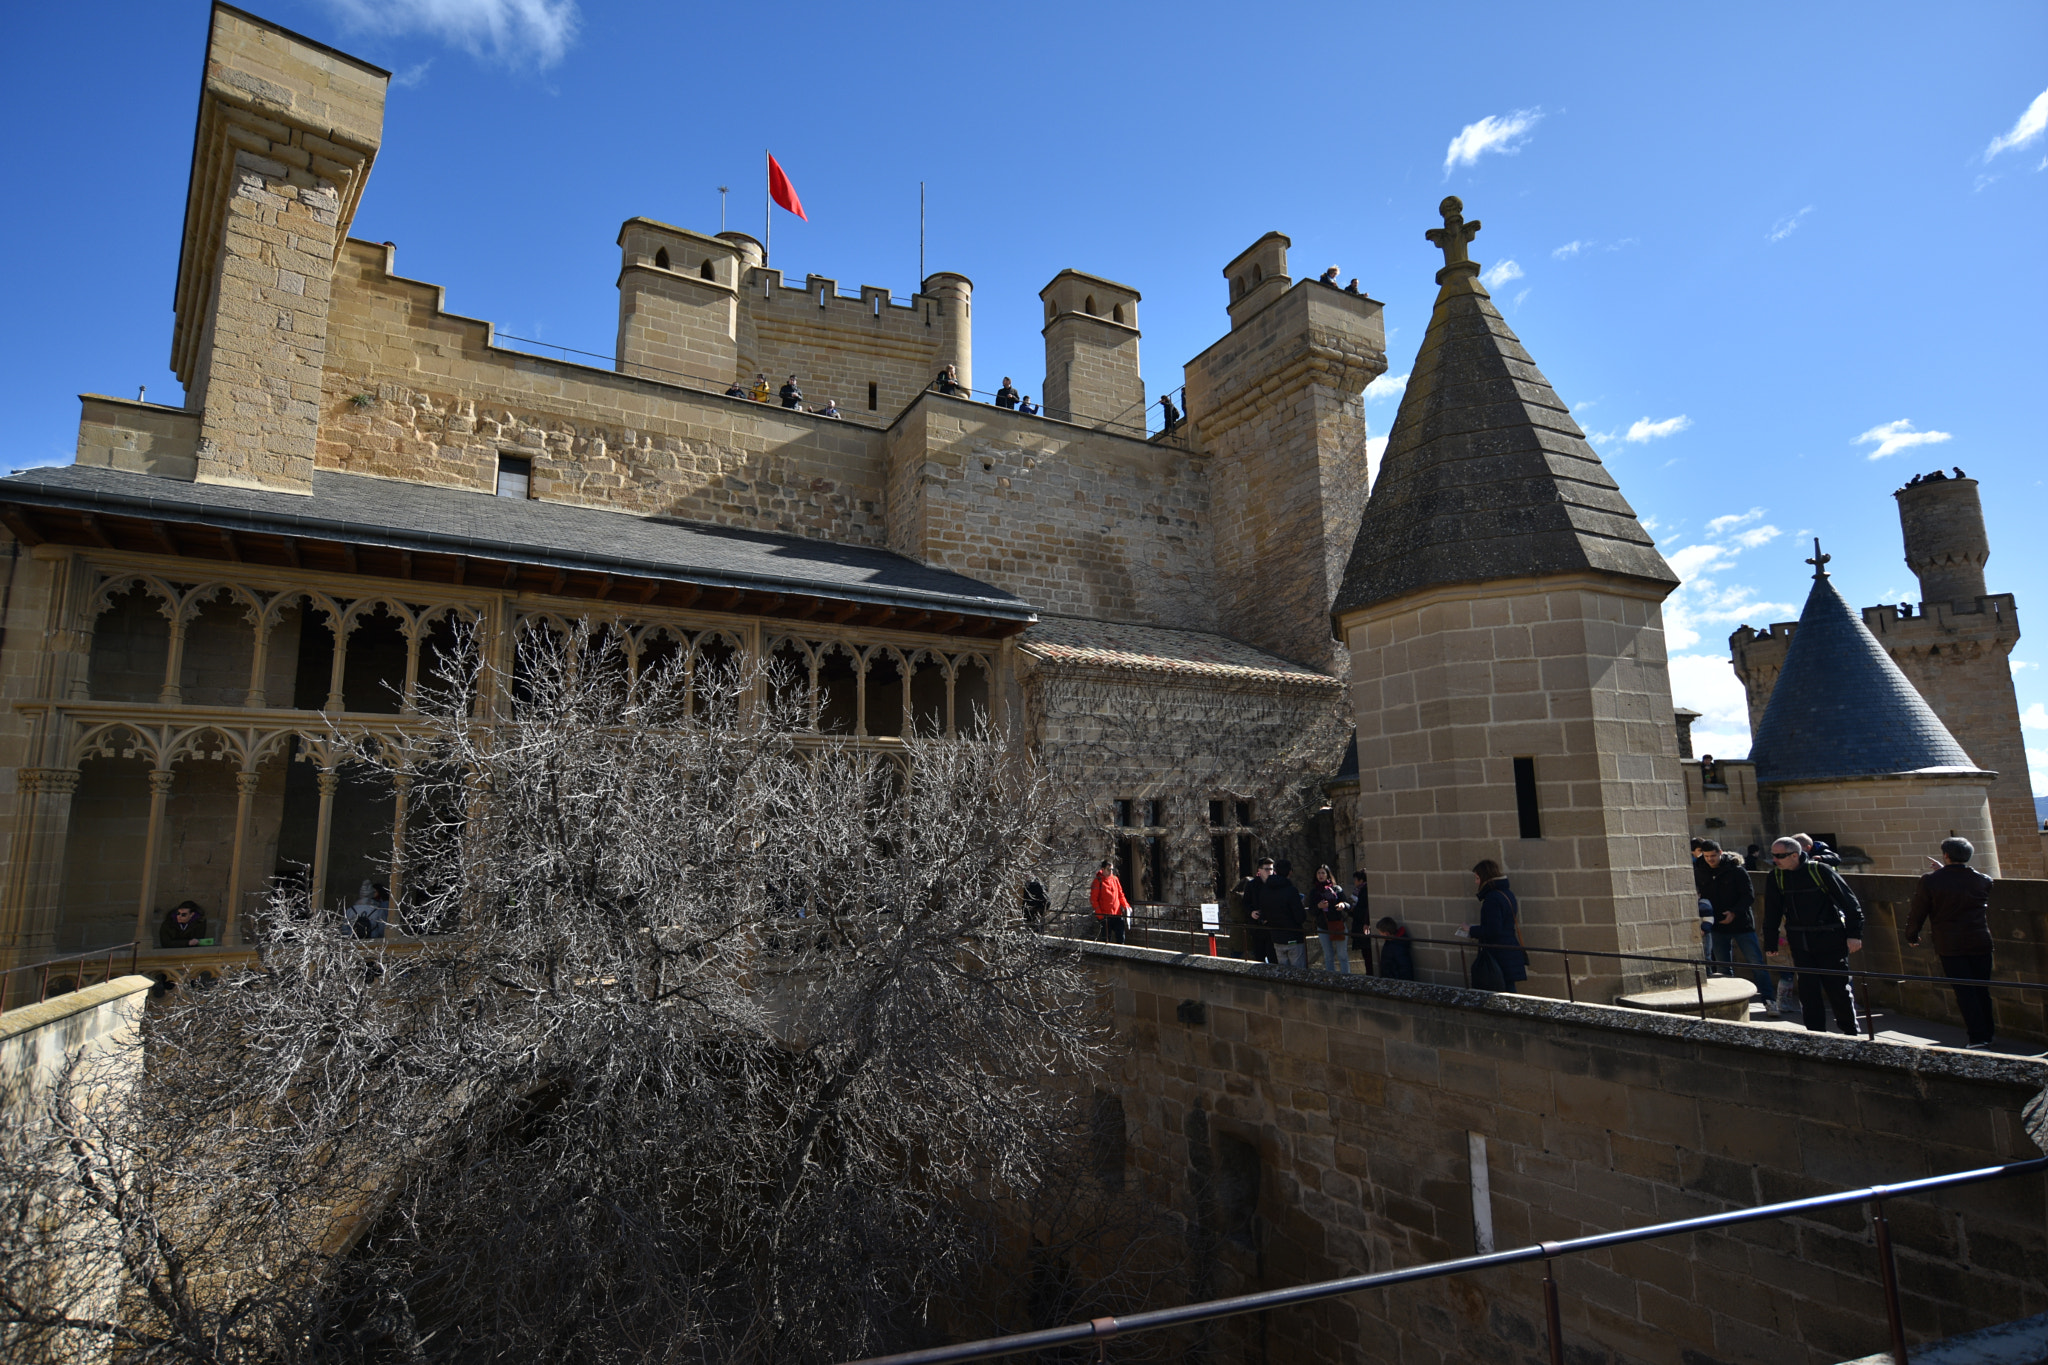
(1397, 954)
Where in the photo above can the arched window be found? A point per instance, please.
(1258, 274)
(1089, 307)
(661, 258)
(1052, 310)
(706, 271)
(1116, 314)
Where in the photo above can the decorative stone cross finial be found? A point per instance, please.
(1819, 560)
(1455, 232)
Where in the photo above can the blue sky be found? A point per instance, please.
(1780, 258)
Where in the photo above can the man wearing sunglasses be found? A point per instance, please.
(1823, 924)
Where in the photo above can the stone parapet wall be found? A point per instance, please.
(837, 346)
(1897, 822)
(147, 438)
(1307, 1127)
(413, 392)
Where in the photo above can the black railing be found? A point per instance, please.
(1099, 1331)
(131, 948)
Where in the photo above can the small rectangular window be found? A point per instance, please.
(1525, 798)
(1215, 813)
(515, 476)
(1245, 861)
(871, 395)
(1244, 812)
(1219, 853)
(1155, 814)
(1123, 814)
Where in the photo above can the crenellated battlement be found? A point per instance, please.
(1988, 621)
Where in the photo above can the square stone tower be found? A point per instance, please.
(1502, 608)
(1091, 351)
(1278, 404)
(287, 131)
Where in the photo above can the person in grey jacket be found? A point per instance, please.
(1823, 923)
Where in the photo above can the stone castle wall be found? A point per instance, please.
(1450, 689)
(1898, 822)
(1076, 522)
(1312, 1127)
(837, 346)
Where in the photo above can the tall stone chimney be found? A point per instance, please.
(1946, 547)
(287, 130)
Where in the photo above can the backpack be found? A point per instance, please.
(1796, 914)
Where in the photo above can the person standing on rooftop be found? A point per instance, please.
(1955, 901)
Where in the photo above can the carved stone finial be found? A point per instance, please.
(1819, 560)
(1452, 237)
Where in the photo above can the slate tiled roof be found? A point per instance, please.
(1841, 707)
(1486, 476)
(1105, 644)
(360, 510)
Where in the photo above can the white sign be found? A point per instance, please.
(1212, 916)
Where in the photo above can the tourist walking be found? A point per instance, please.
(1288, 916)
(1730, 902)
(1500, 963)
(1112, 907)
(1006, 397)
(1251, 904)
(1332, 920)
(1823, 923)
(1954, 901)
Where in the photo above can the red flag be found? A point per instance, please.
(781, 191)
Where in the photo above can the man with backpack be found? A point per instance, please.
(1823, 924)
(1729, 903)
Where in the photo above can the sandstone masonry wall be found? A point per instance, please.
(1308, 1127)
(1899, 822)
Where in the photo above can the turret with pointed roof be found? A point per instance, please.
(1502, 608)
(1842, 708)
(1849, 748)
(1486, 476)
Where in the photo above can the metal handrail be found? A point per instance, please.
(133, 947)
(1700, 969)
(1101, 1329)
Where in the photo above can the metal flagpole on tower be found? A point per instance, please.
(767, 208)
(920, 237)
(722, 191)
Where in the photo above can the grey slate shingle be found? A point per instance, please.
(1486, 475)
(383, 512)
(1841, 707)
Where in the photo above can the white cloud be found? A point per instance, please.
(1786, 226)
(2030, 126)
(412, 75)
(2037, 768)
(1569, 250)
(516, 32)
(2019, 665)
(1644, 429)
(1892, 437)
(1721, 526)
(1385, 387)
(1704, 602)
(1759, 535)
(1706, 683)
(2035, 717)
(1375, 451)
(1522, 294)
(1501, 274)
(1504, 134)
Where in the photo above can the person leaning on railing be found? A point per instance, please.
(1112, 907)
(183, 927)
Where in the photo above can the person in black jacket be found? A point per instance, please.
(1731, 932)
(1502, 959)
(1823, 923)
(1361, 922)
(1955, 901)
(1289, 917)
(1251, 901)
(1397, 954)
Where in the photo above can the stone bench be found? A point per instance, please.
(1727, 997)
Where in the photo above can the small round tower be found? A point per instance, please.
(751, 255)
(950, 297)
(1946, 546)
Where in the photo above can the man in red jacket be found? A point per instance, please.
(1112, 907)
(1955, 901)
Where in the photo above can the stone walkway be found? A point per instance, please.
(1893, 1027)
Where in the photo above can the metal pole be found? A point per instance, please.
(920, 236)
(1700, 989)
(1890, 1271)
(767, 210)
(1856, 1008)
(1568, 992)
(1550, 1314)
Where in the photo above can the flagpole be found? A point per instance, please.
(767, 209)
(920, 238)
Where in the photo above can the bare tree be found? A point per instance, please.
(728, 1031)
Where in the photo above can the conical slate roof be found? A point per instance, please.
(1486, 475)
(1842, 708)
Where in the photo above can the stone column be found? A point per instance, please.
(258, 695)
(152, 849)
(335, 703)
(246, 784)
(172, 692)
(35, 882)
(330, 780)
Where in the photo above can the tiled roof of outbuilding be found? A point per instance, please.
(361, 510)
(1841, 708)
(1486, 476)
(1107, 644)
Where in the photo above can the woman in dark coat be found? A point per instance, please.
(1498, 911)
